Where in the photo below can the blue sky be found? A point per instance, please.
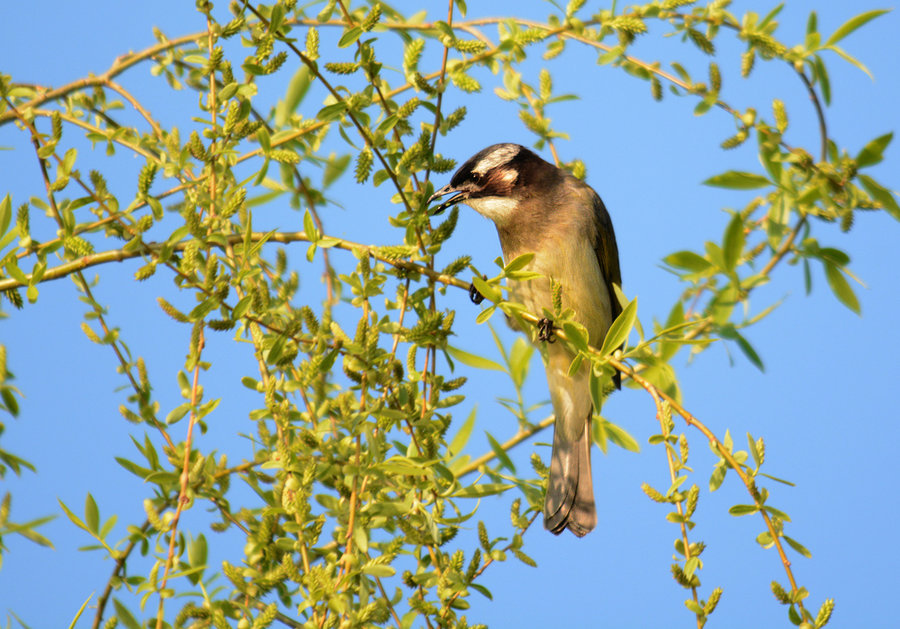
(825, 404)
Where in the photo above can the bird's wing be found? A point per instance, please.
(608, 258)
(607, 253)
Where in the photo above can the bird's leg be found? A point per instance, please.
(545, 331)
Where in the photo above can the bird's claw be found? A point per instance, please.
(545, 331)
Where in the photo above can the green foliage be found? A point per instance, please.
(360, 467)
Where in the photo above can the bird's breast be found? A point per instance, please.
(570, 260)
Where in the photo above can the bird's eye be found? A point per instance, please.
(476, 177)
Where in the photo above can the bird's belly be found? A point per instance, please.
(574, 265)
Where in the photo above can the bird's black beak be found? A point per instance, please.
(460, 195)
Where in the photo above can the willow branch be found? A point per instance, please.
(118, 67)
(515, 440)
(119, 255)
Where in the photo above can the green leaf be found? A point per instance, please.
(824, 81)
(91, 514)
(488, 292)
(620, 329)
(197, 553)
(738, 510)
(851, 59)
(309, 227)
(473, 360)
(332, 112)
(350, 37)
(800, 548)
(518, 263)
(728, 331)
(500, 453)
(125, 617)
(5, 214)
(718, 475)
(872, 152)
(80, 611)
(620, 436)
(485, 314)
(733, 245)
(841, 287)
(462, 436)
(334, 169)
(519, 359)
(576, 334)
(688, 260)
(296, 90)
(738, 180)
(882, 195)
(778, 480)
(694, 607)
(778, 513)
(484, 489)
(178, 413)
(852, 24)
(378, 570)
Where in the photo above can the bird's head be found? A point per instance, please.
(494, 181)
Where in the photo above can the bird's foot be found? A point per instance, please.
(545, 331)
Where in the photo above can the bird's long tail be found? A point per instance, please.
(570, 494)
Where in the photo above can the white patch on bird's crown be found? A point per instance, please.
(497, 157)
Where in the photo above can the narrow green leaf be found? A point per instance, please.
(125, 616)
(485, 314)
(882, 195)
(197, 553)
(718, 475)
(841, 287)
(778, 513)
(462, 436)
(733, 244)
(488, 291)
(688, 260)
(576, 334)
(694, 607)
(178, 413)
(74, 518)
(80, 611)
(500, 453)
(620, 437)
(754, 452)
(800, 548)
(778, 480)
(350, 37)
(872, 153)
(473, 360)
(728, 331)
(852, 24)
(824, 81)
(620, 329)
(738, 180)
(519, 360)
(378, 570)
(738, 510)
(91, 514)
(518, 263)
(5, 214)
(484, 489)
(852, 60)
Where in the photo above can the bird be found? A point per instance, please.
(544, 210)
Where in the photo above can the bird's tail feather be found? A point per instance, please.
(570, 494)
